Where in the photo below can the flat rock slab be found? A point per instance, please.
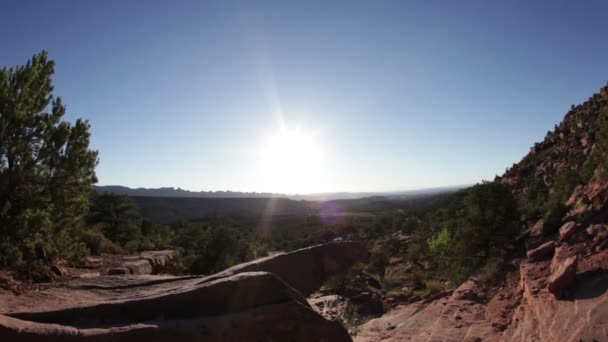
(243, 307)
(93, 291)
(260, 300)
(457, 317)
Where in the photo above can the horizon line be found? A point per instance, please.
(458, 186)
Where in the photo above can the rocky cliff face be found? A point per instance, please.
(244, 303)
(574, 146)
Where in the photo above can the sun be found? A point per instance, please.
(292, 162)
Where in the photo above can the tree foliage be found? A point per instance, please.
(46, 170)
(211, 247)
(117, 217)
(483, 224)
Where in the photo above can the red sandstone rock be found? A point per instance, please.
(564, 252)
(446, 319)
(567, 230)
(563, 277)
(538, 228)
(331, 307)
(306, 269)
(238, 304)
(159, 260)
(244, 307)
(542, 251)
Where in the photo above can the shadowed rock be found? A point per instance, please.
(543, 251)
(306, 269)
(567, 230)
(243, 307)
(239, 304)
(563, 277)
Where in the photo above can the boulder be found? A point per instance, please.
(332, 307)
(567, 230)
(141, 266)
(159, 260)
(306, 269)
(543, 251)
(147, 262)
(563, 277)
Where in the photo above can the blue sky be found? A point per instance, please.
(397, 94)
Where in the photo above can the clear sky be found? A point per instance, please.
(383, 95)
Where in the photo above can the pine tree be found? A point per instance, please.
(46, 170)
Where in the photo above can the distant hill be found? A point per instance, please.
(177, 192)
(170, 209)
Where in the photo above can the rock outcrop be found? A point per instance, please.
(567, 230)
(307, 269)
(243, 303)
(523, 310)
(464, 315)
(543, 251)
(563, 276)
(558, 298)
(149, 262)
(581, 316)
(244, 307)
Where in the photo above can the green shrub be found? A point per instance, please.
(434, 285)
(97, 243)
(350, 281)
(490, 272)
(477, 228)
(118, 218)
(211, 247)
(390, 285)
(378, 262)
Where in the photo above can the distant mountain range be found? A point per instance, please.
(181, 193)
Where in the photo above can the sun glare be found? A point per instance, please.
(291, 162)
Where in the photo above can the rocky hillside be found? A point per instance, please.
(572, 155)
